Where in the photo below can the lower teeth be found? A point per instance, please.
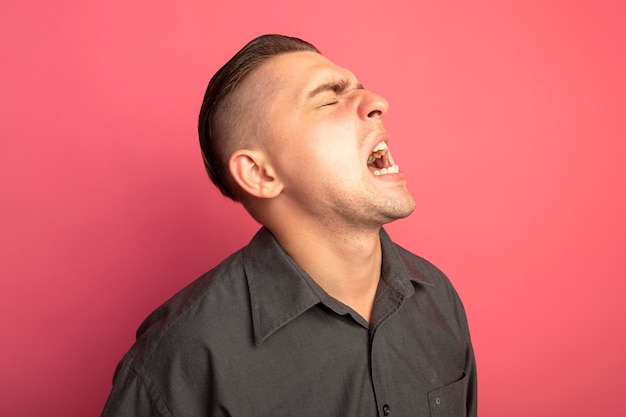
(391, 170)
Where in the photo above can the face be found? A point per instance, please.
(328, 146)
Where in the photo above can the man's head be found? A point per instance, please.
(226, 113)
(297, 139)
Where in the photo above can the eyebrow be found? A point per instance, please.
(334, 86)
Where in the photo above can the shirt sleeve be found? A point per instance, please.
(131, 396)
(472, 391)
(470, 358)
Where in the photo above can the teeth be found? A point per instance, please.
(377, 152)
(382, 146)
(391, 170)
(373, 157)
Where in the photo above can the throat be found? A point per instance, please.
(347, 266)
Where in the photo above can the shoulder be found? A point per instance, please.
(208, 306)
(173, 355)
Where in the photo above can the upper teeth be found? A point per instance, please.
(377, 152)
(380, 147)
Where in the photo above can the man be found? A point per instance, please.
(321, 314)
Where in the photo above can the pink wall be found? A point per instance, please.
(509, 121)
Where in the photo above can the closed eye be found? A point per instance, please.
(336, 88)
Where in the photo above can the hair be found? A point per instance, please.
(215, 113)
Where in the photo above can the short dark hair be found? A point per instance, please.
(222, 84)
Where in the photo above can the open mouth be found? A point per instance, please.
(380, 161)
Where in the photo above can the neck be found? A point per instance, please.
(346, 265)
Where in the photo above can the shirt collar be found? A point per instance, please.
(280, 290)
(398, 268)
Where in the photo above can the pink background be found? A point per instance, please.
(508, 118)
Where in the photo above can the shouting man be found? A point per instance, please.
(321, 314)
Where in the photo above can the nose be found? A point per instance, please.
(372, 106)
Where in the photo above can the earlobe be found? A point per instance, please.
(254, 174)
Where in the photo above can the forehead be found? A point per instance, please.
(302, 71)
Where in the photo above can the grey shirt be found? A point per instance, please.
(256, 336)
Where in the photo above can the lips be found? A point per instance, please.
(380, 161)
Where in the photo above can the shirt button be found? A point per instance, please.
(386, 409)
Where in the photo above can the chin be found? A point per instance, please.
(401, 209)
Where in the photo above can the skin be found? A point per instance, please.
(308, 180)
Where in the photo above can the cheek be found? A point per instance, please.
(294, 161)
(329, 145)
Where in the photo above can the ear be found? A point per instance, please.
(254, 173)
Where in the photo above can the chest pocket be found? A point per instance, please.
(449, 401)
